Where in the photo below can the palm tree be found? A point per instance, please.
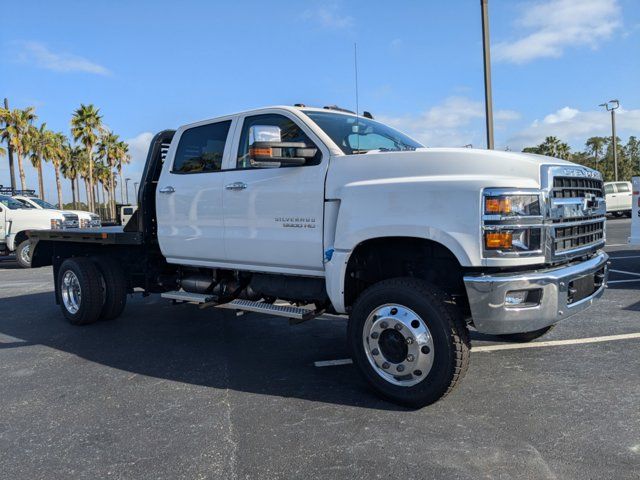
(14, 128)
(108, 151)
(38, 146)
(123, 158)
(596, 145)
(71, 168)
(59, 147)
(86, 124)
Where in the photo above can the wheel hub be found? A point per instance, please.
(25, 253)
(398, 344)
(393, 345)
(71, 292)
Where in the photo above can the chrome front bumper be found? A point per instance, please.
(487, 293)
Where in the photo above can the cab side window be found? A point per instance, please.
(201, 148)
(622, 187)
(608, 189)
(289, 132)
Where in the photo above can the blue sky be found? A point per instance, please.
(155, 65)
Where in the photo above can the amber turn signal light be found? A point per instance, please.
(495, 240)
(259, 152)
(497, 205)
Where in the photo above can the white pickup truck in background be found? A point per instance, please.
(16, 219)
(618, 196)
(328, 211)
(85, 219)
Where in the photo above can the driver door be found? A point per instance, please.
(273, 217)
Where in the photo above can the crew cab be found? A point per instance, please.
(618, 196)
(16, 219)
(297, 211)
(85, 219)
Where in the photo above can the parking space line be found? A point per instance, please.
(626, 273)
(616, 244)
(333, 363)
(623, 257)
(513, 346)
(555, 343)
(611, 282)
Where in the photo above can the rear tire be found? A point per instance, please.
(115, 288)
(408, 311)
(23, 254)
(525, 337)
(81, 293)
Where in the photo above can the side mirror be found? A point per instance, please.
(267, 150)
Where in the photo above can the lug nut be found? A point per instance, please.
(398, 326)
(425, 349)
(409, 340)
(410, 358)
(384, 325)
(375, 351)
(385, 365)
(375, 335)
(400, 368)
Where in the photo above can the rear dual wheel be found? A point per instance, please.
(409, 341)
(91, 289)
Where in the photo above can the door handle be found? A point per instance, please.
(168, 189)
(236, 186)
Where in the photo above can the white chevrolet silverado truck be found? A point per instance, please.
(16, 219)
(296, 212)
(85, 219)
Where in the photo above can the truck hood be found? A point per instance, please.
(490, 168)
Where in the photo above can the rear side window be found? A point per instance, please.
(128, 211)
(201, 148)
(608, 189)
(622, 187)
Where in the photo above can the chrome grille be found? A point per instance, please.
(70, 221)
(575, 211)
(572, 187)
(578, 236)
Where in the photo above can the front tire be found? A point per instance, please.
(80, 288)
(408, 341)
(23, 254)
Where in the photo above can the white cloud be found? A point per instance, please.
(328, 16)
(555, 25)
(138, 148)
(455, 122)
(38, 54)
(575, 126)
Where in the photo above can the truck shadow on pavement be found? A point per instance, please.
(212, 348)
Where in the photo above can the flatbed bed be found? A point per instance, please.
(104, 235)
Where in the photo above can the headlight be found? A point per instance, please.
(512, 205)
(511, 222)
(56, 223)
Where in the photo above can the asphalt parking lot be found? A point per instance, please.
(177, 392)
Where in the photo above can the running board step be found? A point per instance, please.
(187, 297)
(295, 313)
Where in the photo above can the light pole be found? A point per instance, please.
(488, 101)
(126, 188)
(611, 106)
(135, 186)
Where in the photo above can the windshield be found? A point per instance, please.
(43, 204)
(11, 203)
(361, 135)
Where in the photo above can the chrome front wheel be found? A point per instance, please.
(398, 344)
